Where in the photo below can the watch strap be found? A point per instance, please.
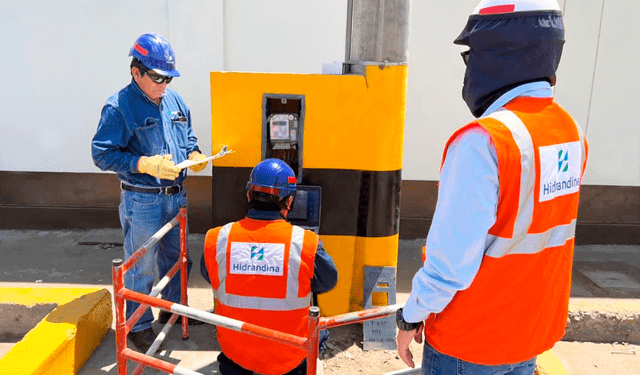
(403, 325)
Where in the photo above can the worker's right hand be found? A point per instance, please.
(404, 339)
(159, 166)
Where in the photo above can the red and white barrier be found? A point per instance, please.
(123, 353)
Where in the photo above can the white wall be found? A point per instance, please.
(435, 108)
(64, 58)
(196, 35)
(599, 86)
(597, 83)
(283, 35)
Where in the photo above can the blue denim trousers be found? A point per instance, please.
(436, 363)
(142, 215)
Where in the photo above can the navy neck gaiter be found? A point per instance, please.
(507, 50)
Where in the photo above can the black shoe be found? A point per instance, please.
(164, 316)
(142, 340)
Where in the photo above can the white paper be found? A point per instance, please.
(189, 163)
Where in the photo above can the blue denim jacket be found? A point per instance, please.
(131, 125)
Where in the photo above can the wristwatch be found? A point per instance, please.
(403, 325)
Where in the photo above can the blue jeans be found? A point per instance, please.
(228, 367)
(142, 215)
(436, 363)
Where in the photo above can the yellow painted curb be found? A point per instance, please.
(548, 364)
(65, 339)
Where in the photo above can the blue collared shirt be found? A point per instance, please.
(466, 209)
(132, 125)
(325, 273)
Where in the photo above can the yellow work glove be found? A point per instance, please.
(197, 156)
(159, 166)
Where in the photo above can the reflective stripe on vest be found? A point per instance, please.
(291, 301)
(523, 242)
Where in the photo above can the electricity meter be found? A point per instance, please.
(283, 131)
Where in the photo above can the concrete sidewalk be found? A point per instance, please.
(605, 290)
(605, 304)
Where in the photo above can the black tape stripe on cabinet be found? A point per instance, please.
(354, 202)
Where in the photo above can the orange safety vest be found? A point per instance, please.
(261, 272)
(517, 305)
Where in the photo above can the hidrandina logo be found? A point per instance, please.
(256, 258)
(255, 252)
(559, 170)
(563, 161)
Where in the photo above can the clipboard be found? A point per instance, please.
(189, 163)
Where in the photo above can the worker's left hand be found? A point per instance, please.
(404, 339)
(197, 156)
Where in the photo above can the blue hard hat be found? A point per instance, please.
(272, 176)
(155, 52)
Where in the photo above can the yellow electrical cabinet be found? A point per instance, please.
(341, 133)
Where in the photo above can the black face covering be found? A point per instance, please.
(507, 50)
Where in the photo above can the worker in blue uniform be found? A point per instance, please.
(145, 129)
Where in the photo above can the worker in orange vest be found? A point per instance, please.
(493, 292)
(263, 271)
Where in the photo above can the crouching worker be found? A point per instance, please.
(263, 271)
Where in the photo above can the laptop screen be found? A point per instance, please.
(305, 211)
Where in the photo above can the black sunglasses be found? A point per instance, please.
(465, 57)
(157, 78)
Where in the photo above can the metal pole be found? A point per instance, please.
(358, 316)
(236, 325)
(347, 45)
(377, 32)
(313, 335)
(133, 319)
(137, 255)
(156, 343)
(183, 274)
(118, 299)
(155, 363)
(141, 251)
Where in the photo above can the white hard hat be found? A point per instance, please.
(510, 6)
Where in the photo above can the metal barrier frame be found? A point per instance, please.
(123, 327)
(123, 353)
